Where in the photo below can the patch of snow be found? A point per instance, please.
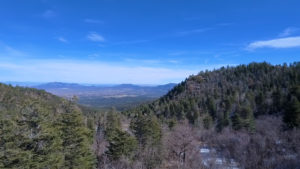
(204, 150)
(219, 161)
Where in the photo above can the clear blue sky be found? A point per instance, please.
(141, 41)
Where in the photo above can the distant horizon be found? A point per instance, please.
(28, 83)
(33, 83)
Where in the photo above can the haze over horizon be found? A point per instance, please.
(141, 42)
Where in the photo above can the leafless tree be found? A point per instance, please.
(181, 147)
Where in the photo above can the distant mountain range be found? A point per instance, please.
(23, 84)
(107, 91)
(103, 96)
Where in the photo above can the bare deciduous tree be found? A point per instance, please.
(180, 146)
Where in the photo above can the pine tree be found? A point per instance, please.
(207, 121)
(121, 144)
(292, 114)
(211, 108)
(236, 121)
(30, 140)
(146, 129)
(76, 140)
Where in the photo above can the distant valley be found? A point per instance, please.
(121, 96)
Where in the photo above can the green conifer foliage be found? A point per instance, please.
(76, 139)
(231, 96)
(121, 144)
(39, 130)
(292, 110)
(147, 129)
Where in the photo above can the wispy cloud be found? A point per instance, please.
(288, 31)
(205, 29)
(289, 42)
(193, 31)
(93, 36)
(62, 39)
(49, 14)
(94, 21)
(225, 24)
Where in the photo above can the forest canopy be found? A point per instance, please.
(40, 130)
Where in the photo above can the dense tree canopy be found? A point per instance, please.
(40, 130)
(231, 96)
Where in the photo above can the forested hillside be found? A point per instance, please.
(40, 130)
(246, 116)
(233, 96)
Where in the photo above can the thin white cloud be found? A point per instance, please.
(201, 30)
(62, 39)
(93, 36)
(288, 31)
(289, 42)
(225, 24)
(49, 14)
(89, 72)
(94, 21)
(188, 32)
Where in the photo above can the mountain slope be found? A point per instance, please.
(229, 96)
(40, 130)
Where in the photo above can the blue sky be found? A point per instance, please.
(141, 41)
